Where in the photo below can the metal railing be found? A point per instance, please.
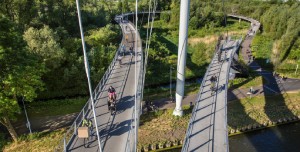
(72, 131)
(205, 78)
(226, 90)
(130, 143)
(190, 126)
(251, 20)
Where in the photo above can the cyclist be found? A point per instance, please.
(87, 123)
(112, 93)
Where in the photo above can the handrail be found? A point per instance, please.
(226, 91)
(85, 110)
(139, 92)
(190, 126)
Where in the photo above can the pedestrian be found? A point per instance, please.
(131, 50)
(219, 55)
(126, 38)
(191, 105)
(120, 60)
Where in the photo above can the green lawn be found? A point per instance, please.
(160, 93)
(262, 109)
(55, 107)
(262, 46)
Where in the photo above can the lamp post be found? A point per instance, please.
(171, 96)
(28, 123)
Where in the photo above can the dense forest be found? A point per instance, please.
(41, 55)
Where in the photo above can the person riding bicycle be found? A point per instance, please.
(213, 80)
(111, 93)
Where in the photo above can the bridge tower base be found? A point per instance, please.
(182, 49)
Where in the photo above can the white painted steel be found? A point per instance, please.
(87, 70)
(182, 49)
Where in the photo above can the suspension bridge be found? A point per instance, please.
(207, 130)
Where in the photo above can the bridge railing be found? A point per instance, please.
(190, 126)
(130, 143)
(226, 92)
(205, 78)
(72, 131)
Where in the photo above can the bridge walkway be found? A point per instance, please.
(115, 128)
(207, 129)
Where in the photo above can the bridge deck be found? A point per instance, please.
(114, 129)
(208, 126)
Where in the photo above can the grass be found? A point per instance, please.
(262, 109)
(55, 107)
(36, 142)
(243, 83)
(162, 126)
(288, 68)
(262, 46)
(160, 93)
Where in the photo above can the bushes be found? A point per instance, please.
(165, 16)
(3, 141)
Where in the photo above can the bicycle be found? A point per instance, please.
(151, 107)
(111, 103)
(213, 88)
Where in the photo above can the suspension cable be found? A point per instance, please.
(148, 24)
(135, 75)
(86, 63)
(149, 38)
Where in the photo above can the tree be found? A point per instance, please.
(44, 43)
(20, 73)
(201, 55)
(102, 36)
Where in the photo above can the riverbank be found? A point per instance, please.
(163, 130)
